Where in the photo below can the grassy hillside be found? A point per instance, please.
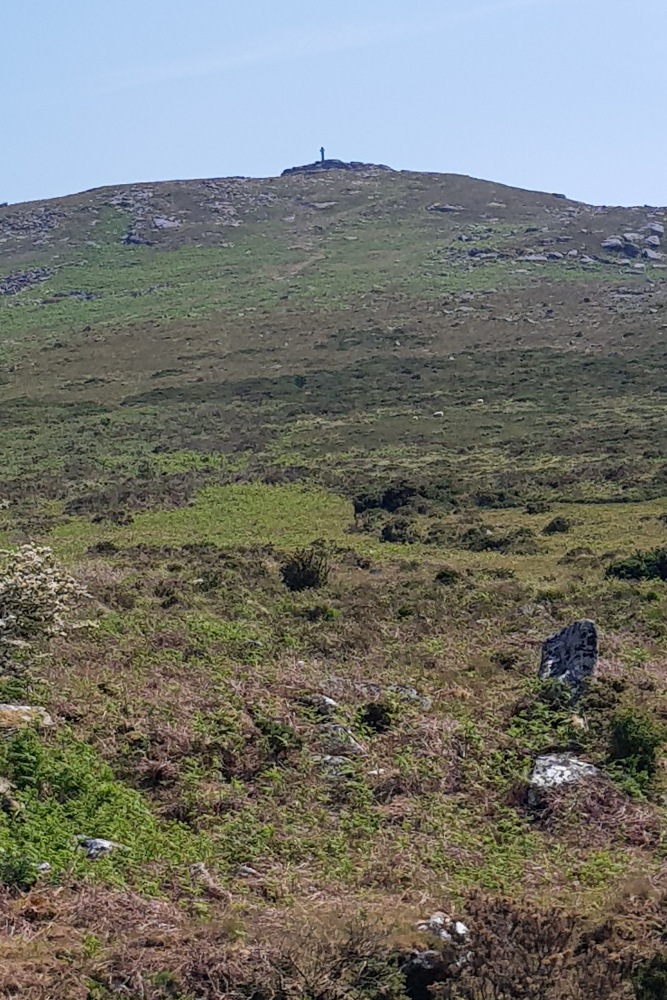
(450, 393)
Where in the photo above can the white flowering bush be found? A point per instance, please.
(36, 598)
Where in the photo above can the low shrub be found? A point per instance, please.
(650, 565)
(447, 576)
(558, 526)
(636, 739)
(480, 538)
(377, 716)
(390, 499)
(401, 530)
(438, 534)
(17, 872)
(496, 499)
(36, 598)
(527, 953)
(650, 980)
(306, 569)
(537, 507)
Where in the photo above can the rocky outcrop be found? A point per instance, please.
(14, 283)
(322, 165)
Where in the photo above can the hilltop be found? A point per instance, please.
(440, 401)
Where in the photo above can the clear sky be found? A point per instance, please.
(556, 95)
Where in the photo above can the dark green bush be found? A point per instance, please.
(377, 716)
(17, 872)
(496, 499)
(651, 979)
(537, 507)
(558, 526)
(480, 538)
(320, 613)
(280, 739)
(391, 498)
(447, 576)
(438, 534)
(306, 569)
(402, 530)
(416, 496)
(636, 738)
(641, 566)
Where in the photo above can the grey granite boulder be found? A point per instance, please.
(570, 655)
(553, 770)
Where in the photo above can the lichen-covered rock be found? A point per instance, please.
(97, 847)
(19, 716)
(445, 928)
(553, 770)
(338, 740)
(612, 243)
(570, 655)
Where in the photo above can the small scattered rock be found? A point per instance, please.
(411, 694)
(339, 740)
(445, 928)
(8, 802)
(246, 871)
(437, 207)
(324, 706)
(161, 222)
(631, 249)
(132, 239)
(335, 766)
(653, 241)
(201, 876)
(19, 716)
(97, 847)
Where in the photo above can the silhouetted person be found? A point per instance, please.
(322, 153)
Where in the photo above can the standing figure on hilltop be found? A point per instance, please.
(322, 153)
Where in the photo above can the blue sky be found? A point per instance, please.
(556, 95)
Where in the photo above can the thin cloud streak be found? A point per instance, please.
(290, 46)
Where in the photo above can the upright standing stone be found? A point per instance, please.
(571, 654)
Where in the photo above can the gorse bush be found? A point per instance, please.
(36, 597)
(650, 565)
